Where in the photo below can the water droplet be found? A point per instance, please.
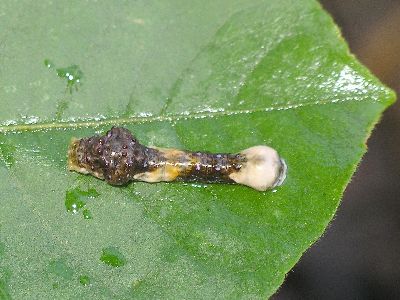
(48, 63)
(87, 214)
(199, 185)
(76, 199)
(113, 257)
(7, 154)
(136, 283)
(30, 119)
(84, 280)
(73, 74)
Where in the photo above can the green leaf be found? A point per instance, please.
(200, 75)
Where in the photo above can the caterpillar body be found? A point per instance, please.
(118, 158)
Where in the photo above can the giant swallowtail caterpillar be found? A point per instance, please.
(118, 158)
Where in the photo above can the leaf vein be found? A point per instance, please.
(95, 122)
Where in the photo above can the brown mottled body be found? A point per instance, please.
(202, 166)
(119, 158)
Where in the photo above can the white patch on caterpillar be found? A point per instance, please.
(264, 169)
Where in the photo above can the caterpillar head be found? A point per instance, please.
(111, 157)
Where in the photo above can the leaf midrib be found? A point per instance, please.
(94, 122)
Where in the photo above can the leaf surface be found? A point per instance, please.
(218, 76)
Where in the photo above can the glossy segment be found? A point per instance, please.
(118, 157)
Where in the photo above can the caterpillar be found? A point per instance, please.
(118, 158)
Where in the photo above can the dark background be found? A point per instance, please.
(359, 255)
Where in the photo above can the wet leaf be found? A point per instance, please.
(217, 76)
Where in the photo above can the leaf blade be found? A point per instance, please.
(314, 103)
